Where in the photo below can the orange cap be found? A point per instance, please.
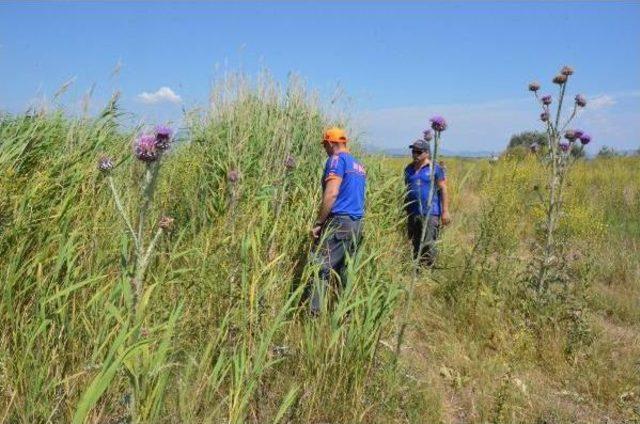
(335, 135)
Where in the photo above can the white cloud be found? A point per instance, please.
(164, 94)
(601, 102)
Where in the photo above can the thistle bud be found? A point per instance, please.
(544, 116)
(163, 137)
(564, 146)
(560, 79)
(427, 135)
(534, 147)
(566, 71)
(166, 223)
(105, 164)
(534, 86)
(233, 176)
(581, 101)
(570, 135)
(585, 139)
(546, 100)
(290, 163)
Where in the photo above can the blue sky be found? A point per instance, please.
(398, 62)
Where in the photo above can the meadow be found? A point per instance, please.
(219, 335)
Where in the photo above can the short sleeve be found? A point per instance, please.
(440, 176)
(334, 168)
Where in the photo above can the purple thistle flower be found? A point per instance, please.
(585, 139)
(105, 164)
(163, 137)
(534, 86)
(578, 133)
(290, 163)
(233, 176)
(564, 146)
(438, 123)
(566, 71)
(544, 116)
(427, 135)
(581, 101)
(560, 79)
(570, 135)
(145, 148)
(546, 99)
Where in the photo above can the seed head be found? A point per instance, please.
(105, 164)
(564, 146)
(438, 123)
(566, 71)
(585, 139)
(233, 176)
(581, 101)
(145, 148)
(166, 223)
(427, 135)
(534, 86)
(544, 116)
(290, 163)
(560, 79)
(546, 99)
(163, 137)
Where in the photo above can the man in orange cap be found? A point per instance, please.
(338, 228)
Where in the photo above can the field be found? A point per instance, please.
(218, 334)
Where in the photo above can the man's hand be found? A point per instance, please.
(445, 219)
(315, 231)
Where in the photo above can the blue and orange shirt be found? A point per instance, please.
(350, 200)
(418, 184)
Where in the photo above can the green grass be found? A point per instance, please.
(221, 335)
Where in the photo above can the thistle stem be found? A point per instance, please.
(120, 208)
(141, 267)
(416, 259)
(148, 187)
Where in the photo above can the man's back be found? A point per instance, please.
(351, 197)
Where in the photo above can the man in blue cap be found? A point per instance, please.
(417, 177)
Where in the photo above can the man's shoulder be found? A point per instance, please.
(347, 156)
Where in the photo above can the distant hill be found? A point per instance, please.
(404, 152)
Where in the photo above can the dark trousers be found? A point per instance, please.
(340, 237)
(415, 224)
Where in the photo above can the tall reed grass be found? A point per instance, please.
(222, 336)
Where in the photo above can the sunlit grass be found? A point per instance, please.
(222, 336)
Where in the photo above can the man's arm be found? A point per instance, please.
(331, 190)
(442, 186)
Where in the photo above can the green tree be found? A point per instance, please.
(527, 138)
(607, 152)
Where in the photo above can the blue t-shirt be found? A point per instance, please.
(350, 200)
(418, 183)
